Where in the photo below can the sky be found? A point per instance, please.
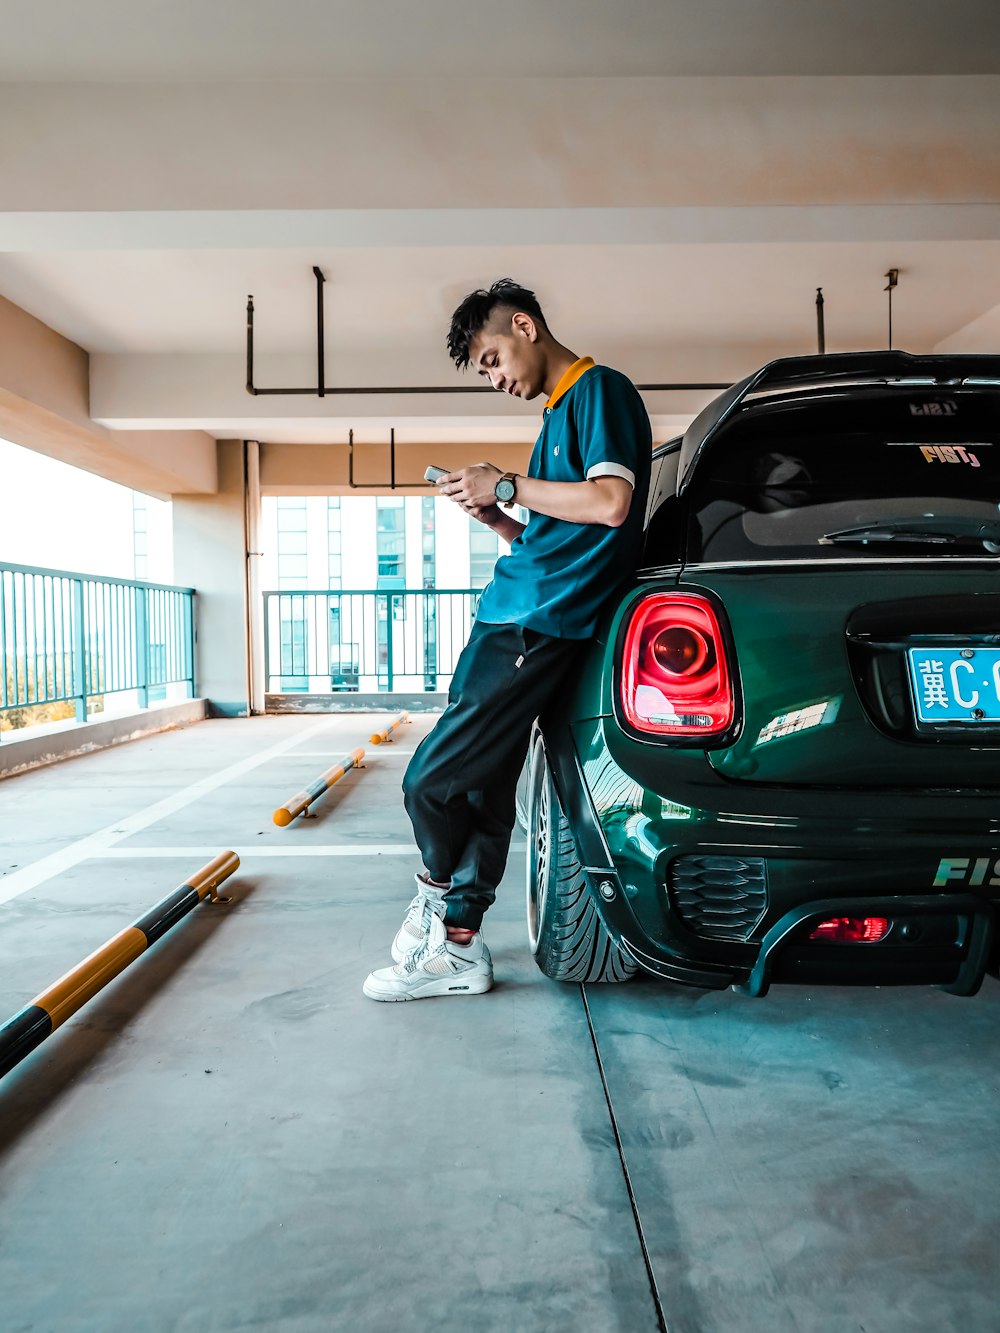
(59, 517)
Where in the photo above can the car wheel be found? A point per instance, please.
(565, 933)
(521, 796)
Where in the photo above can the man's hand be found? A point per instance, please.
(474, 488)
(491, 515)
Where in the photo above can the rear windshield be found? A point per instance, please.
(914, 477)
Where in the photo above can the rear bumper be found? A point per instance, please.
(827, 858)
(959, 968)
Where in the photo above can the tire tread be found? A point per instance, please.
(573, 942)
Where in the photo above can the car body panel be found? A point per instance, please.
(805, 719)
(825, 853)
(827, 798)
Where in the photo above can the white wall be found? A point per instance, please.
(210, 557)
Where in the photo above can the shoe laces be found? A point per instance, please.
(425, 949)
(416, 908)
(429, 902)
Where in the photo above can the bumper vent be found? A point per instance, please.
(720, 897)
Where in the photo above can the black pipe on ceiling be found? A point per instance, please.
(820, 324)
(893, 276)
(394, 485)
(320, 390)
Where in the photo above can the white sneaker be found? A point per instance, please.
(436, 967)
(412, 933)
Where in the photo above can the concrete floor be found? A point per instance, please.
(232, 1137)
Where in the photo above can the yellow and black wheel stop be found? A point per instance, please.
(381, 737)
(53, 1006)
(302, 800)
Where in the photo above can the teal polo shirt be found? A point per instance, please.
(559, 575)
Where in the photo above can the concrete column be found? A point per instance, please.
(210, 555)
(254, 554)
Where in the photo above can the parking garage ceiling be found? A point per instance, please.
(111, 41)
(674, 180)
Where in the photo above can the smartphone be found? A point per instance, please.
(435, 473)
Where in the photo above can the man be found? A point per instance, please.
(585, 492)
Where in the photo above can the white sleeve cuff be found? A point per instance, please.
(611, 470)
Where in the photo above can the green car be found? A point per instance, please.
(780, 758)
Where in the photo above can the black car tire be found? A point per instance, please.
(566, 935)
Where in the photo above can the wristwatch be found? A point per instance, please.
(506, 489)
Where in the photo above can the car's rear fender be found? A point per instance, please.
(604, 881)
(633, 903)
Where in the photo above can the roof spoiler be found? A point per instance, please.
(801, 372)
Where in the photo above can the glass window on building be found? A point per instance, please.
(140, 540)
(390, 552)
(293, 562)
(291, 542)
(293, 652)
(293, 570)
(390, 541)
(484, 547)
(428, 509)
(297, 649)
(291, 513)
(335, 568)
(427, 512)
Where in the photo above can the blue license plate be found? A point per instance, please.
(955, 684)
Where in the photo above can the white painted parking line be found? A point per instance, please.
(331, 753)
(253, 853)
(94, 844)
(335, 751)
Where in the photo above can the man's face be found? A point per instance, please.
(508, 354)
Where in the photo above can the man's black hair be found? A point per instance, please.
(478, 308)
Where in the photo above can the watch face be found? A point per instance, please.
(505, 490)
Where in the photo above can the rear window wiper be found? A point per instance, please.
(927, 531)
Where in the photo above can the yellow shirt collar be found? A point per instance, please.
(571, 376)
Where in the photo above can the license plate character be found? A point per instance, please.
(932, 682)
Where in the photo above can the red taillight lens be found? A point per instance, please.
(852, 929)
(675, 678)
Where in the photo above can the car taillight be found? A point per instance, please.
(852, 929)
(675, 679)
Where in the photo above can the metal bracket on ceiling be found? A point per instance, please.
(393, 484)
(820, 323)
(893, 283)
(320, 386)
(321, 390)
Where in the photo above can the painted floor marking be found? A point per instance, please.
(336, 752)
(21, 881)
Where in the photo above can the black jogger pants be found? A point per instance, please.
(459, 786)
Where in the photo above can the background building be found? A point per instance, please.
(361, 550)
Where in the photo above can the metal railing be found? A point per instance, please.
(369, 641)
(67, 637)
